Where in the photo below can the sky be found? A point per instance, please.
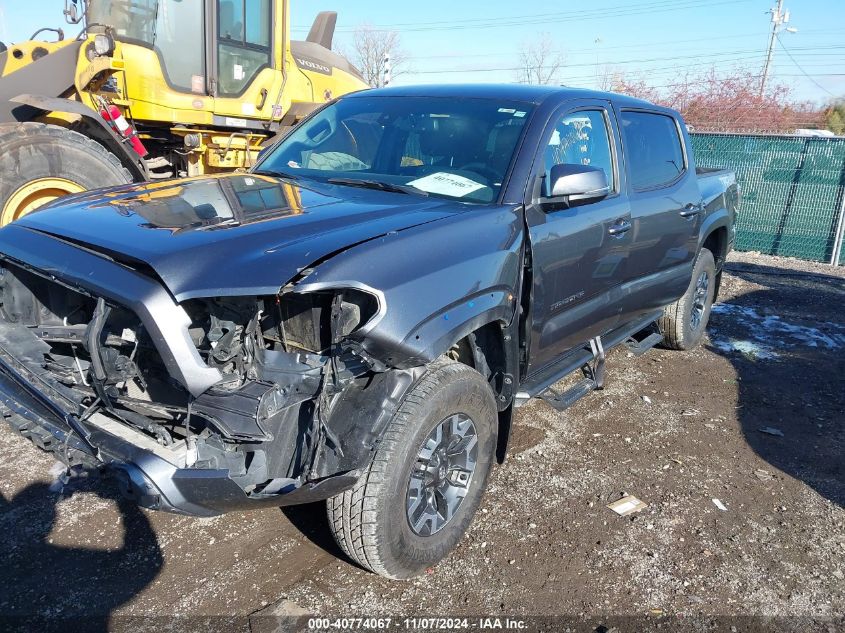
(479, 40)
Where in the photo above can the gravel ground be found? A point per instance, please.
(753, 419)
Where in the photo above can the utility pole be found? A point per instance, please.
(598, 42)
(386, 76)
(780, 18)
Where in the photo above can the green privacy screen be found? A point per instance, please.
(791, 187)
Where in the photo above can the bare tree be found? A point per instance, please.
(540, 61)
(370, 49)
(608, 77)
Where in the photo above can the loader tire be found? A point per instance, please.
(683, 323)
(416, 500)
(40, 163)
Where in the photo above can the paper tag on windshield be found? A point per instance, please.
(447, 184)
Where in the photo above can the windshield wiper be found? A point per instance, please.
(377, 184)
(277, 173)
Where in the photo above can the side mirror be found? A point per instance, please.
(578, 183)
(72, 12)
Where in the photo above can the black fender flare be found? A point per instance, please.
(435, 335)
(96, 127)
(719, 219)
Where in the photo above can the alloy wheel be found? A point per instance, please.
(442, 474)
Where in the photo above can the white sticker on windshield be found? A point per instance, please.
(507, 110)
(447, 184)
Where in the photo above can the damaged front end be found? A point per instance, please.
(202, 407)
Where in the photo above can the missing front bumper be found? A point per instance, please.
(152, 475)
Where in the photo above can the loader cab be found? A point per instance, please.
(215, 48)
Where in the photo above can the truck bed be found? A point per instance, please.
(715, 182)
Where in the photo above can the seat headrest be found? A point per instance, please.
(503, 146)
(447, 136)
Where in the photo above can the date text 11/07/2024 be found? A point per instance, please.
(417, 624)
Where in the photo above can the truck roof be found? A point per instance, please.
(512, 92)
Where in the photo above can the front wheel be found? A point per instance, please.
(683, 323)
(40, 163)
(419, 494)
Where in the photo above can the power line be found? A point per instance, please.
(650, 45)
(798, 66)
(570, 79)
(532, 16)
(662, 70)
(808, 52)
(624, 10)
(471, 22)
(729, 56)
(803, 52)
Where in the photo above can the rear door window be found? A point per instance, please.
(655, 155)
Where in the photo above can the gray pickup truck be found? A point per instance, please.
(356, 319)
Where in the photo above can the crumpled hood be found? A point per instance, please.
(237, 234)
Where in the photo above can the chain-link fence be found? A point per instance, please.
(792, 191)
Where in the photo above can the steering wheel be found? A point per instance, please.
(484, 170)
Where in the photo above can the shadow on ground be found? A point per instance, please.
(47, 586)
(798, 318)
(311, 520)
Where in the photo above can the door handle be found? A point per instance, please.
(262, 99)
(691, 210)
(620, 228)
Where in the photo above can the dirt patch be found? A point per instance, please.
(677, 430)
(525, 437)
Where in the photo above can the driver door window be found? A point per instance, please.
(244, 43)
(580, 138)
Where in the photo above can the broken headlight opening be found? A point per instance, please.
(284, 361)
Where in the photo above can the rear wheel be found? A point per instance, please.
(418, 496)
(41, 162)
(683, 323)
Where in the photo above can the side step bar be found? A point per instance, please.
(638, 348)
(593, 379)
(590, 359)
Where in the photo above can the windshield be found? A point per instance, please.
(130, 19)
(174, 28)
(454, 148)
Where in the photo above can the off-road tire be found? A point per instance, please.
(30, 151)
(370, 521)
(676, 324)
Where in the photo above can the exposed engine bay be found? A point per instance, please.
(286, 410)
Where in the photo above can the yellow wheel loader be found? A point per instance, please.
(155, 89)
